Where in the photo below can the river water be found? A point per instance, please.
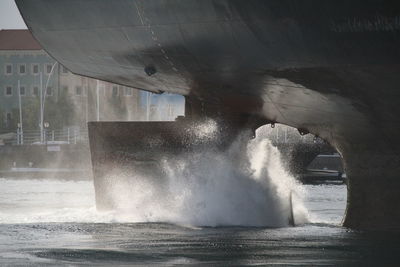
(50, 222)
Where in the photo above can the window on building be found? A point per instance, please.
(8, 91)
(49, 91)
(8, 119)
(128, 91)
(22, 90)
(22, 69)
(64, 70)
(78, 90)
(48, 68)
(35, 91)
(115, 91)
(9, 69)
(35, 68)
(65, 89)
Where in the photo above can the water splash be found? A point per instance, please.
(243, 186)
(234, 187)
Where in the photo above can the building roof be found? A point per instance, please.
(18, 40)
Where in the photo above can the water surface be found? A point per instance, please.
(44, 222)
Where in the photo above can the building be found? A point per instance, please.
(27, 71)
(163, 107)
(21, 60)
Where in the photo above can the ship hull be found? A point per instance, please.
(326, 67)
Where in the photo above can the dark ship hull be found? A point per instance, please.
(327, 67)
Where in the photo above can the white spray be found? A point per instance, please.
(214, 189)
(243, 188)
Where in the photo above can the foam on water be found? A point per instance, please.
(33, 201)
(235, 187)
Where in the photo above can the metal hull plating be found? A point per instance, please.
(330, 67)
(233, 55)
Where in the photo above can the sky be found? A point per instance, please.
(9, 16)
